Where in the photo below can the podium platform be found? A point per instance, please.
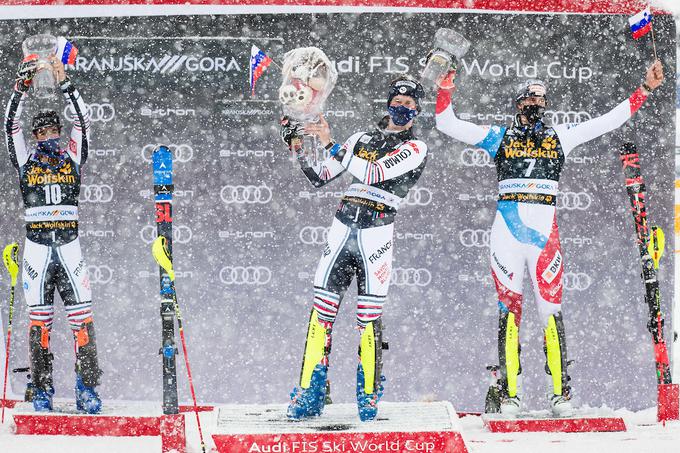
(542, 421)
(399, 427)
(116, 419)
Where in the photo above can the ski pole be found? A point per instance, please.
(160, 254)
(9, 256)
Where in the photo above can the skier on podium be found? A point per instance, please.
(529, 155)
(49, 178)
(385, 163)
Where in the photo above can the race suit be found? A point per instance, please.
(52, 256)
(384, 166)
(528, 160)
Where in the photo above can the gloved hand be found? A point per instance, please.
(291, 133)
(27, 70)
(447, 82)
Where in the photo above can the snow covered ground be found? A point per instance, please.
(643, 435)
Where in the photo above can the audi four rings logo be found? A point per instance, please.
(180, 234)
(474, 238)
(419, 196)
(180, 153)
(576, 281)
(560, 117)
(572, 201)
(475, 157)
(100, 274)
(246, 194)
(104, 112)
(410, 276)
(313, 235)
(245, 275)
(96, 193)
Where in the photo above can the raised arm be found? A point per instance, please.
(485, 137)
(14, 135)
(79, 140)
(572, 135)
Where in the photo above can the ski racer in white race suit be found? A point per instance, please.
(385, 163)
(528, 156)
(49, 178)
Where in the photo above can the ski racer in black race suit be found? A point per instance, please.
(529, 156)
(49, 177)
(385, 163)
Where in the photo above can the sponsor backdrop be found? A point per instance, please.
(249, 229)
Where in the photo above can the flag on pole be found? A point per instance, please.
(66, 51)
(259, 61)
(641, 23)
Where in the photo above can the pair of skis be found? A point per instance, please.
(650, 242)
(162, 253)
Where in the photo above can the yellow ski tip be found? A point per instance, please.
(160, 253)
(9, 256)
(657, 242)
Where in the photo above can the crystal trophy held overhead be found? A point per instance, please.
(448, 47)
(308, 79)
(44, 46)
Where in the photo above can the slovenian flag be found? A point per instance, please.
(66, 51)
(259, 61)
(641, 23)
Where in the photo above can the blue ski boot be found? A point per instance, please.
(368, 402)
(87, 399)
(309, 402)
(42, 399)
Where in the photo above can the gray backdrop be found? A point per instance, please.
(183, 81)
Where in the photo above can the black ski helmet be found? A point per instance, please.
(530, 88)
(406, 86)
(45, 118)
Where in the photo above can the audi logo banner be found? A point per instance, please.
(249, 229)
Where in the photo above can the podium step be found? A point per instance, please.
(399, 427)
(117, 420)
(542, 421)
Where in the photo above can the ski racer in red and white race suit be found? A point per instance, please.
(49, 178)
(528, 157)
(385, 163)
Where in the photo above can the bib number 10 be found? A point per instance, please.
(52, 194)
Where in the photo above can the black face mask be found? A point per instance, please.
(533, 113)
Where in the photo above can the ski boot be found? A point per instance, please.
(41, 367)
(509, 350)
(369, 369)
(87, 369)
(367, 403)
(42, 399)
(497, 388)
(555, 349)
(511, 406)
(87, 399)
(309, 402)
(561, 406)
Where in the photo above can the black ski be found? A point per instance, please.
(635, 186)
(163, 189)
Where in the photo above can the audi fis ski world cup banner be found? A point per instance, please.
(249, 229)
